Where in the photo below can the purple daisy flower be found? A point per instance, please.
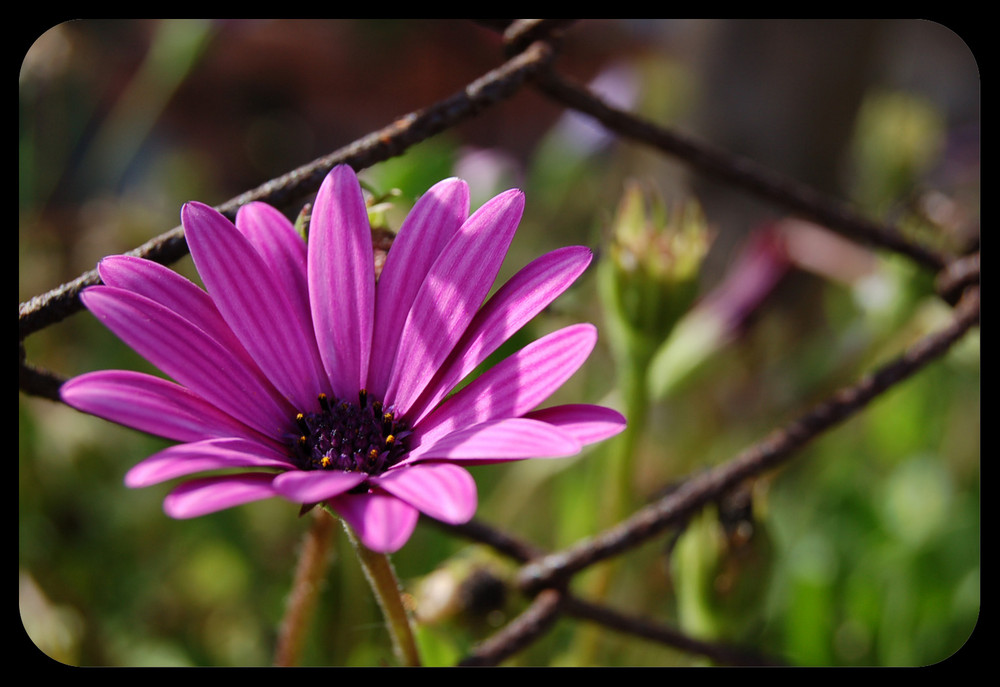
(319, 383)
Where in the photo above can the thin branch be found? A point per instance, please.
(738, 171)
(554, 569)
(520, 33)
(957, 276)
(658, 632)
(478, 531)
(585, 610)
(39, 381)
(519, 633)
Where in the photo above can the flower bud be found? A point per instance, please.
(649, 277)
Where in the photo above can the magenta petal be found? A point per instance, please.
(382, 522)
(256, 304)
(189, 355)
(514, 386)
(342, 280)
(442, 491)
(172, 291)
(428, 227)
(450, 295)
(211, 494)
(152, 405)
(202, 456)
(313, 486)
(500, 440)
(284, 251)
(586, 423)
(275, 239)
(510, 308)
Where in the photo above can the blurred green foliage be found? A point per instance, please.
(863, 551)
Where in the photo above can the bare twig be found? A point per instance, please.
(585, 610)
(658, 632)
(739, 171)
(519, 633)
(957, 276)
(521, 33)
(506, 544)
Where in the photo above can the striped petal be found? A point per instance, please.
(211, 494)
(585, 423)
(514, 386)
(172, 291)
(498, 441)
(189, 355)
(202, 456)
(442, 491)
(278, 243)
(153, 405)
(382, 522)
(450, 295)
(314, 486)
(342, 280)
(428, 227)
(283, 250)
(256, 305)
(510, 308)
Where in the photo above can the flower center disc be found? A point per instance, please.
(362, 437)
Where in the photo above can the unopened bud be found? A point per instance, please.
(650, 275)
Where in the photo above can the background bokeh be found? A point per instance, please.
(864, 551)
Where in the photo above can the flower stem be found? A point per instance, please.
(384, 584)
(313, 559)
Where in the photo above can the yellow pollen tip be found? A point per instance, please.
(325, 462)
(389, 440)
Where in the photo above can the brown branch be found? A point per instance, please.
(378, 146)
(41, 382)
(957, 276)
(585, 610)
(739, 171)
(519, 633)
(554, 569)
(477, 531)
(658, 632)
(521, 33)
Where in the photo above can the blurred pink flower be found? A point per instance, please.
(319, 383)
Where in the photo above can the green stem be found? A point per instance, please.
(635, 398)
(382, 578)
(617, 488)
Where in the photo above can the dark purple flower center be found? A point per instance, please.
(361, 437)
